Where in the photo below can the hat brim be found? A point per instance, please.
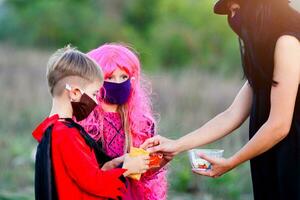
(221, 8)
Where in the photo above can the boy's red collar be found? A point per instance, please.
(40, 129)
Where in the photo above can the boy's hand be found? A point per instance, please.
(114, 163)
(136, 165)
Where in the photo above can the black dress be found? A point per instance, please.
(275, 173)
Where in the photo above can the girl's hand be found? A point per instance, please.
(168, 147)
(136, 165)
(114, 163)
(219, 166)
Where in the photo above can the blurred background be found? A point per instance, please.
(189, 54)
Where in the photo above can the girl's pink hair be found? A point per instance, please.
(138, 108)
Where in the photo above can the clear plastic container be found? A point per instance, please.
(199, 164)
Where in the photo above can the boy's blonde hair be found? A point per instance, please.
(69, 63)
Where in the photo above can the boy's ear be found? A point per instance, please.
(74, 93)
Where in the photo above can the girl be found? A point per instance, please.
(124, 116)
(270, 32)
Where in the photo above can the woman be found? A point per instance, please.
(269, 31)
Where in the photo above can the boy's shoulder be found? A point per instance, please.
(59, 128)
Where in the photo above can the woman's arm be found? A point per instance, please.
(283, 97)
(218, 127)
(222, 124)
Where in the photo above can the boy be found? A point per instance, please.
(68, 161)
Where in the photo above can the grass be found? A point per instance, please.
(184, 100)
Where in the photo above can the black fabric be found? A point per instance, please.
(297, 35)
(45, 188)
(276, 173)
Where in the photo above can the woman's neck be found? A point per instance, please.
(109, 107)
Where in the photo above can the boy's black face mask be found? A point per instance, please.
(83, 108)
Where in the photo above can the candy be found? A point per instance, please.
(155, 160)
(200, 164)
(204, 166)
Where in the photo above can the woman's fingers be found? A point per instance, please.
(168, 157)
(219, 166)
(159, 148)
(207, 158)
(151, 142)
(203, 173)
(208, 173)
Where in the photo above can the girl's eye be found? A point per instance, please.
(109, 78)
(124, 77)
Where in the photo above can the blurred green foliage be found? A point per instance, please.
(168, 34)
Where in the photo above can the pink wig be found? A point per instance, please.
(138, 109)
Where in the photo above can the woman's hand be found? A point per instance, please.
(136, 165)
(219, 166)
(168, 147)
(114, 163)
